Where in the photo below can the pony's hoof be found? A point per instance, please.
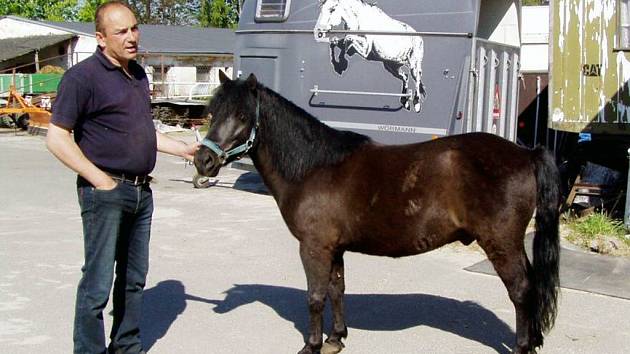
(332, 347)
(521, 350)
(306, 350)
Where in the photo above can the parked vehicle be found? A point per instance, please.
(398, 71)
(589, 72)
(589, 94)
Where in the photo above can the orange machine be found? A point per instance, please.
(25, 112)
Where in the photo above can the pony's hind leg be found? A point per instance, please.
(514, 270)
(415, 67)
(419, 94)
(398, 71)
(317, 264)
(336, 289)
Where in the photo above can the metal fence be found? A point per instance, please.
(193, 84)
(182, 90)
(494, 100)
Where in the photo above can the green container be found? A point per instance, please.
(30, 83)
(5, 84)
(43, 83)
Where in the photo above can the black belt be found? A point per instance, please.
(136, 180)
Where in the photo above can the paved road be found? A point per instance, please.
(225, 277)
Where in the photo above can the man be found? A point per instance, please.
(105, 101)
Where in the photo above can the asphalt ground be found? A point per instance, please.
(226, 277)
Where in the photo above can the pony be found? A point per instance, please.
(339, 191)
(401, 55)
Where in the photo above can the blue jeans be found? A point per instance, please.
(116, 232)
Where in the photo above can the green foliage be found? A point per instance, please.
(219, 13)
(165, 12)
(64, 10)
(86, 12)
(532, 2)
(594, 229)
(598, 224)
(206, 13)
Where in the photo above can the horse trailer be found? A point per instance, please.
(398, 71)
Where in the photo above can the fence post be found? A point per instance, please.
(626, 212)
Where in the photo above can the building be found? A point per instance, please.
(178, 59)
(533, 91)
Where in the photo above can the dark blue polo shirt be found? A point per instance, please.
(110, 114)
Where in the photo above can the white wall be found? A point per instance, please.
(535, 34)
(498, 22)
(10, 28)
(82, 48)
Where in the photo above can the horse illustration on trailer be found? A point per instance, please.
(401, 55)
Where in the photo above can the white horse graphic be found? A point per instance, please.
(396, 52)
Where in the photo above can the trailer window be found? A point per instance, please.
(272, 10)
(623, 28)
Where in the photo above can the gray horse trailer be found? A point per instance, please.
(398, 71)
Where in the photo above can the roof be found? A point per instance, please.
(161, 38)
(186, 39)
(14, 47)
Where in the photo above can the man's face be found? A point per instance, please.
(120, 35)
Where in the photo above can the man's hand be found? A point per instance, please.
(190, 150)
(108, 186)
(171, 146)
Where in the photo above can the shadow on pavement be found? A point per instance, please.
(579, 270)
(162, 304)
(380, 312)
(251, 182)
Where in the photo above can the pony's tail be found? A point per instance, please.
(546, 243)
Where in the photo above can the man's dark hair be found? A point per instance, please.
(100, 10)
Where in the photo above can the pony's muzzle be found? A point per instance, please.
(207, 162)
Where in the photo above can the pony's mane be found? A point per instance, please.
(299, 142)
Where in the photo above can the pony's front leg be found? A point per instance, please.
(341, 64)
(317, 265)
(360, 44)
(336, 289)
(420, 93)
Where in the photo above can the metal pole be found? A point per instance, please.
(37, 61)
(537, 110)
(162, 75)
(626, 212)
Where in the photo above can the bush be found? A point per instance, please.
(599, 233)
(51, 69)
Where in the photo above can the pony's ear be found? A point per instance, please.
(222, 77)
(251, 81)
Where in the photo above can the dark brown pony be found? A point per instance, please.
(339, 191)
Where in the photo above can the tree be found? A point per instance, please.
(165, 12)
(219, 13)
(86, 12)
(215, 13)
(50, 10)
(534, 2)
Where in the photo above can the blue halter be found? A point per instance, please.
(240, 150)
